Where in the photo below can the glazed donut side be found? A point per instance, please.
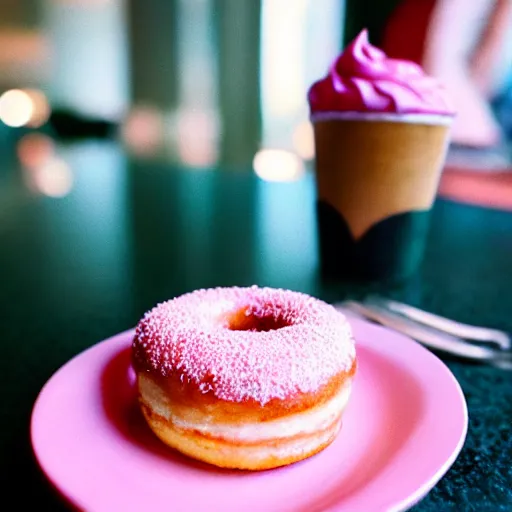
(229, 435)
(283, 410)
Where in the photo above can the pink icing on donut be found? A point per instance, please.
(246, 343)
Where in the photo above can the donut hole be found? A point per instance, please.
(246, 319)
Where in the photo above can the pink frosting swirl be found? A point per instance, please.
(364, 79)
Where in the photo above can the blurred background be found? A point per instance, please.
(152, 147)
(198, 82)
(215, 83)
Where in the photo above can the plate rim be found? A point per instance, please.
(357, 323)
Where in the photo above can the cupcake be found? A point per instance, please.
(381, 130)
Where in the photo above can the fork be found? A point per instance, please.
(458, 329)
(436, 332)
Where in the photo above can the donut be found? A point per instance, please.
(246, 378)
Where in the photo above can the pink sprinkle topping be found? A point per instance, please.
(246, 343)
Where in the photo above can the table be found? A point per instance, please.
(77, 269)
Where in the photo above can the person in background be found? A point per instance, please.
(467, 45)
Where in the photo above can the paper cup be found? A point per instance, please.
(377, 177)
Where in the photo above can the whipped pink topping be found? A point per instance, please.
(364, 79)
(190, 337)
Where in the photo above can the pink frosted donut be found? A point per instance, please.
(248, 378)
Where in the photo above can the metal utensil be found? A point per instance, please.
(459, 329)
(430, 337)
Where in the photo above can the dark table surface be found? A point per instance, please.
(77, 269)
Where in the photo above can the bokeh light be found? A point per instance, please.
(53, 179)
(304, 140)
(143, 129)
(34, 150)
(16, 108)
(278, 165)
(197, 134)
(40, 108)
(24, 107)
(44, 171)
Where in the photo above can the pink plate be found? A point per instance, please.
(403, 428)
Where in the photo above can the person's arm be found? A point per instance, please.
(491, 62)
(453, 35)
